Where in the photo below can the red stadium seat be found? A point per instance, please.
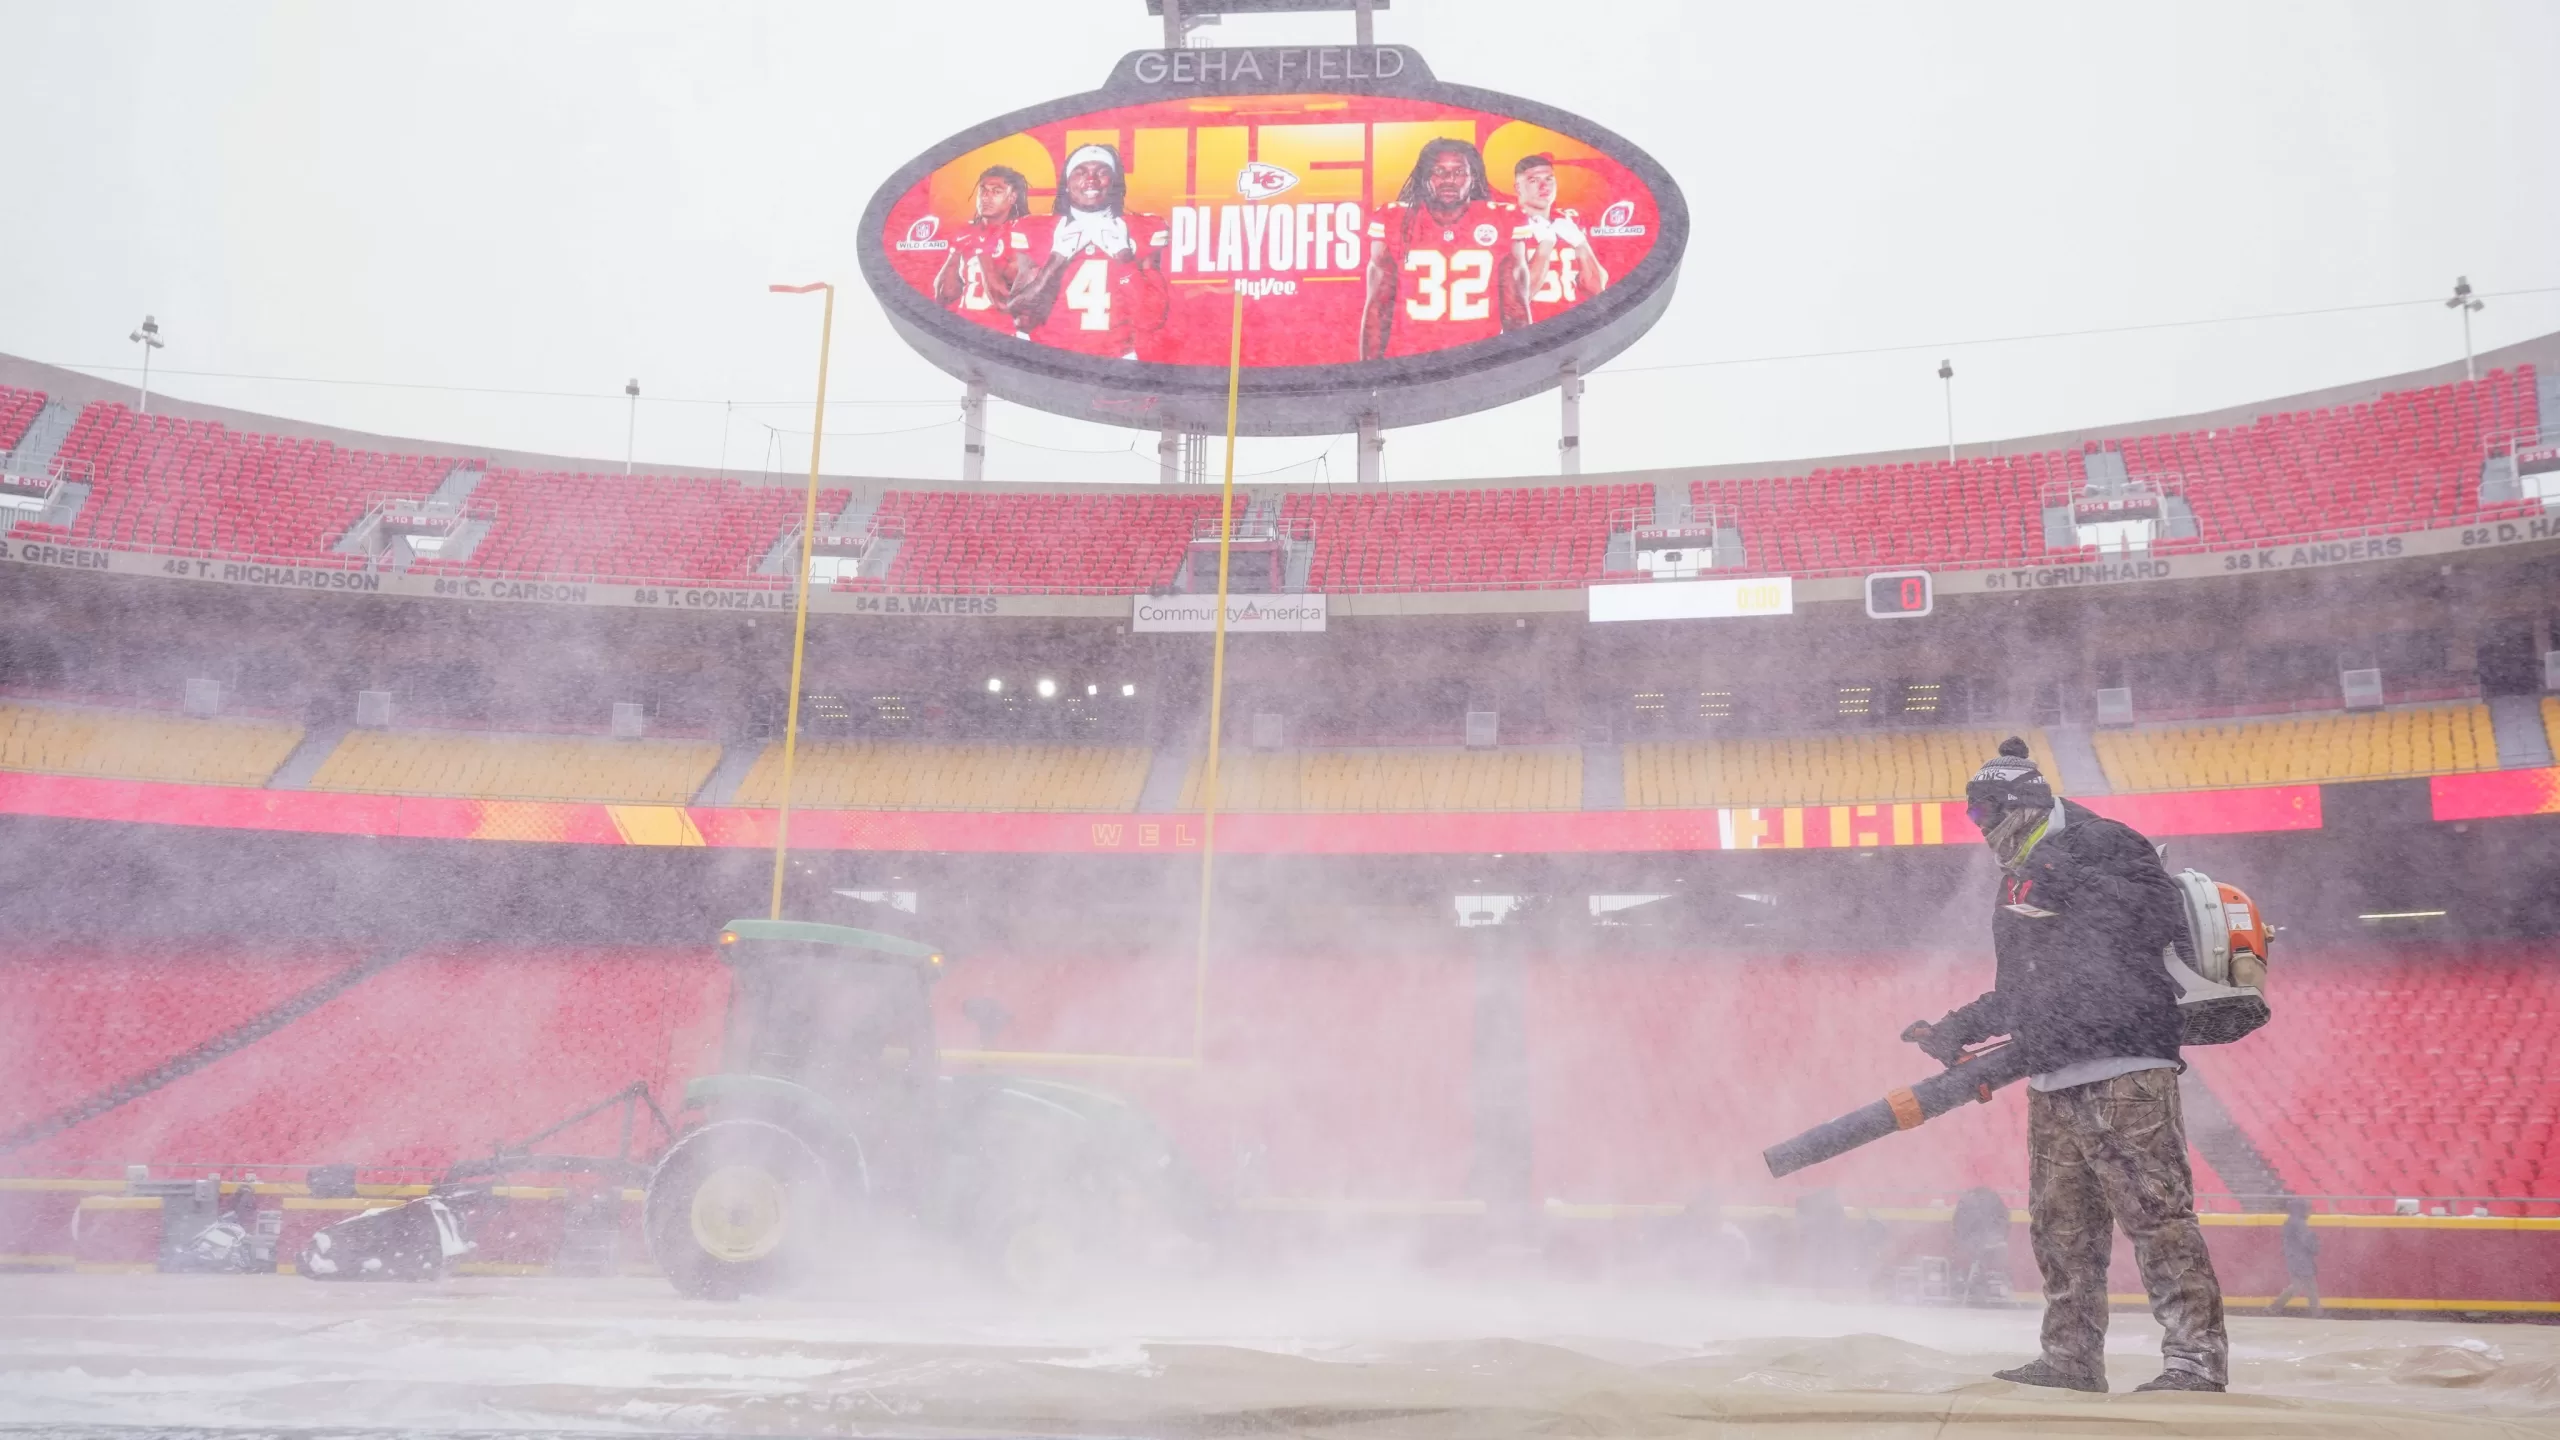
(18, 410)
(2404, 460)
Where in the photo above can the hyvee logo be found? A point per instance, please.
(924, 235)
(1260, 181)
(1618, 219)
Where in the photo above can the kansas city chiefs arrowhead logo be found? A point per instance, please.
(1261, 181)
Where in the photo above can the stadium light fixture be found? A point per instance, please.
(1127, 690)
(1947, 378)
(1047, 687)
(2469, 304)
(1093, 689)
(148, 337)
(995, 685)
(631, 432)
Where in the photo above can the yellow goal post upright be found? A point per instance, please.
(1217, 696)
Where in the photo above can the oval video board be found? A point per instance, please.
(1407, 250)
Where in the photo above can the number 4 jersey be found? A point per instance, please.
(1110, 297)
(1446, 287)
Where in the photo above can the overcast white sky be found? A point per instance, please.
(554, 197)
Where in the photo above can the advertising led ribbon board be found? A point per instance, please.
(1407, 250)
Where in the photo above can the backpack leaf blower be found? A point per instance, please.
(2220, 964)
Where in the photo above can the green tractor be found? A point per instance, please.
(831, 1131)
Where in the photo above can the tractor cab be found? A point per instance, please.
(844, 1013)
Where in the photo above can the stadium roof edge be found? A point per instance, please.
(2541, 351)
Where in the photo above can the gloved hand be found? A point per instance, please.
(2055, 881)
(1938, 1045)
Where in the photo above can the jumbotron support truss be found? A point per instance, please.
(1180, 15)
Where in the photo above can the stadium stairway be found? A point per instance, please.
(2075, 760)
(453, 489)
(34, 448)
(736, 762)
(47, 425)
(307, 758)
(18, 409)
(2219, 1138)
(1166, 771)
(2524, 741)
(851, 517)
(1604, 777)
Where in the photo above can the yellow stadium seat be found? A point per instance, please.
(1528, 778)
(2551, 721)
(2300, 749)
(1843, 769)
(518, 767)
(135, 745)
(862, 775)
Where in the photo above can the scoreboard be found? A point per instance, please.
(1900, 595)
(1405, 250)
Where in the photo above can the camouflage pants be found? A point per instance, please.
(2115, 1153)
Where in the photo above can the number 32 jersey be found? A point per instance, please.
(1104, 305)
(1446, 290)
(982, 250)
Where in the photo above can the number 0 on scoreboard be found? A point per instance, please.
(1900, 595)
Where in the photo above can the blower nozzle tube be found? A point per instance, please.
(1973, 1078)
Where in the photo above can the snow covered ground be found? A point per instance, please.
(1317, 1354)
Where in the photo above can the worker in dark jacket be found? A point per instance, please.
(1980, 1264)
(2085, 909)
(2301, 1258)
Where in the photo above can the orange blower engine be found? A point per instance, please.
(2222, 969)
(2220, 964)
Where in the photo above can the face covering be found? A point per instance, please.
(2014, 834)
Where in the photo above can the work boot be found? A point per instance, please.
(2180, 1380)
(2041, 1371)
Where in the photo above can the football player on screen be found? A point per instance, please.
(1447, 263)
(1100, 289)
(1557, 253)
(988, 258)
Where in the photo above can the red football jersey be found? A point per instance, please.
(982, 248)
(1560, 284)
(1103, 305)
(1447, 292)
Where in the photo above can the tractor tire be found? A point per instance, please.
(739, 1207)
(1043, 1252)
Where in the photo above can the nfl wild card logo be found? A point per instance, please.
(1618, 219)
(925, 234)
